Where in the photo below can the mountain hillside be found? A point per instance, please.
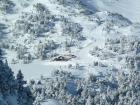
(62, 47)
(12, 90)
(127, 8)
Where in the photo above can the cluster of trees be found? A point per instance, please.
(112, 19)
(118, 19)
(78, 4)
(120, 46)
(45, 50)
(41, 8)
(123, 45)
(66, 2)
(35, 23)
(109, 90)
(21, 52)
(2, 29)
(47, 88)
(42, 50)
(133, 62)
(101, 53)
(73, 30)
(39, 25)
(6, 6)
(14, 87)
(119, 89)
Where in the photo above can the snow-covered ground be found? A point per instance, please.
(128, 8)
(109, 30)
(51, 102)
(95, 30)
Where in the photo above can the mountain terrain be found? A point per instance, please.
(72, 47)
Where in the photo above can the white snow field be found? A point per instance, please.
(128, 8)
(51, 102)
(94, 31)
(110, 30)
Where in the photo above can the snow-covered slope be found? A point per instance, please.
(49, 29)
(83, 37)
(128, 8)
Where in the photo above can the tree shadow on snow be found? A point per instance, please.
(2, 31)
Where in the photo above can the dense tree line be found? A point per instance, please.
(14, 87)
(123, 89)
(6, 6)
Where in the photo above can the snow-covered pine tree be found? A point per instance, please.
(24, 94)
(9, 86)
(7, 81)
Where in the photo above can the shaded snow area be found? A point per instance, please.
(71, 52)
(127, 8)
(51, 102)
